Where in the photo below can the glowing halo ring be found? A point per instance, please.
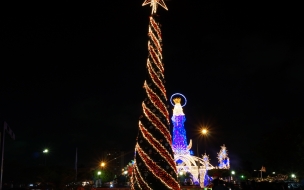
(180, 95)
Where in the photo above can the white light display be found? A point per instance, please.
(223, 159)
(184, 160)
(154, 3)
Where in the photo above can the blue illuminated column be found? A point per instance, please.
(179, 143)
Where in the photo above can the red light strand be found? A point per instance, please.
(157, 102)
(160, 173)
(157, 123)
(158, 147)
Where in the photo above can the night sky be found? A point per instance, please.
(72, 74)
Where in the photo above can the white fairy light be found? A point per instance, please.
(154, 3)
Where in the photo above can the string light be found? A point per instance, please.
(156, 42)
(156, 80)
(154, 3)
(158, 172)
(157, 123)
(157, 146)
(155, 27)
(223, 158)
(185, 161)
(179, 143)
(156, 101)
(140, 180)
(154, 166)
(156, 59)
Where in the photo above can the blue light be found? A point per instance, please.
(207, 180)
(179, 139)
(225, 161)
(179, 161)
(179, 133)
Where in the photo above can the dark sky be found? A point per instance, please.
(72, 74)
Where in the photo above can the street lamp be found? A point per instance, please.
(232, 174)
(99, 182)
(102, 164)
(45, 151)
(204, 131)
(293, 175)
(181, 177)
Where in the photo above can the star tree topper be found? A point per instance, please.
(154, 3)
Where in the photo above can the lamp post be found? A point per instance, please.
(203, 132)
(45, 151)
(232, 174)
(99, 182)
(181, 177)
(102, 165)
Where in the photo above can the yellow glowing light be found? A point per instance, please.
(204, 131)
(177, 100)
(102, 164)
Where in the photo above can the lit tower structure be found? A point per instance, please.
(184, 160)
(179, 144)
(154, 166)
(223, 159)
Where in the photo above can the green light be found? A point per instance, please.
(99, 172)
(232, 172)
(242, 176)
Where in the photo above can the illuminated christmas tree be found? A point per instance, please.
(154, 166)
